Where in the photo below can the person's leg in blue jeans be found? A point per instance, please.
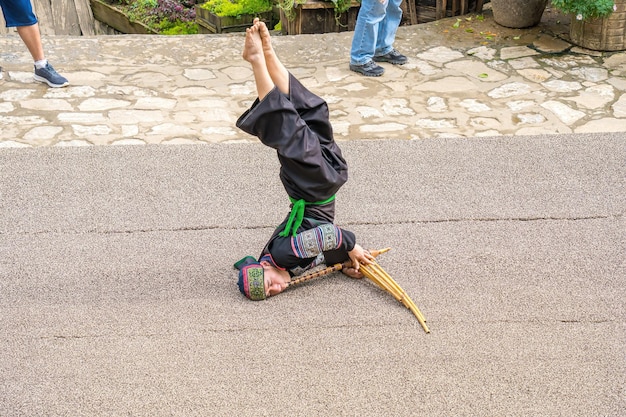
(387, 35)
(388, 27)
(365, 38)
(374, 34)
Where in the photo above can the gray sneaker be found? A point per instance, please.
(393, 57)
(369, 69)
(49, 76)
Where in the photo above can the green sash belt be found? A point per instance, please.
(297, 214)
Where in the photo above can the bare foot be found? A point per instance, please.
(278, 72)
(266, 40)
(253, 45)
(253, 53)
(352, 273)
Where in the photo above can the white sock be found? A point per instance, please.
(40, 64)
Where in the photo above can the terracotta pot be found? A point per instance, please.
(518, 13)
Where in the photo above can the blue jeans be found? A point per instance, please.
(375, 30)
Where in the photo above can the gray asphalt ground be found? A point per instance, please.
(118, 297)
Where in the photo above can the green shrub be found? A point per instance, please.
(167, 27)
(585, 9)
(235, 8)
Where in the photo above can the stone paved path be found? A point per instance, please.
(477, 79)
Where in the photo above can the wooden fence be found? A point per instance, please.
(63, 17)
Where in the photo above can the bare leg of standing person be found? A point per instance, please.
(32, 39)
(44, 72)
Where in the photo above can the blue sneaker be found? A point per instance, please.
(49, 76)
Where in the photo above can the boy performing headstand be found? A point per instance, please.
(295, 122)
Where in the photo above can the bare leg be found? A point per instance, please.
(32, 39)
(253, 53)
(277, 70)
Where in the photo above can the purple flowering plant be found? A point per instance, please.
(173, 10)
(168, 17)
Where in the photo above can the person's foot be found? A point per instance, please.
(49, 76)
(253, 45)
(277, 71)
(369, 69)
(393, 57)
(266, 39)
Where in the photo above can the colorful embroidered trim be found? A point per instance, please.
(252, 282)
(312, 242)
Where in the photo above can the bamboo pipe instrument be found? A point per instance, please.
(378, 275)
(377, 252)
(331, 269)
(316, 274)
(406, 300)
(380, 281)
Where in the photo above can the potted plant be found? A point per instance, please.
(218, 16)
(518, 13)
(596, 24)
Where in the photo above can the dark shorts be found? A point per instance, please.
(18, 13)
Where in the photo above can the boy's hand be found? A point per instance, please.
(359, 256)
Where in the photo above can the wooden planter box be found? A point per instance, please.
(316, 16)
(211, 23)
(605, 34)
(111, 16)
(431, 10)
